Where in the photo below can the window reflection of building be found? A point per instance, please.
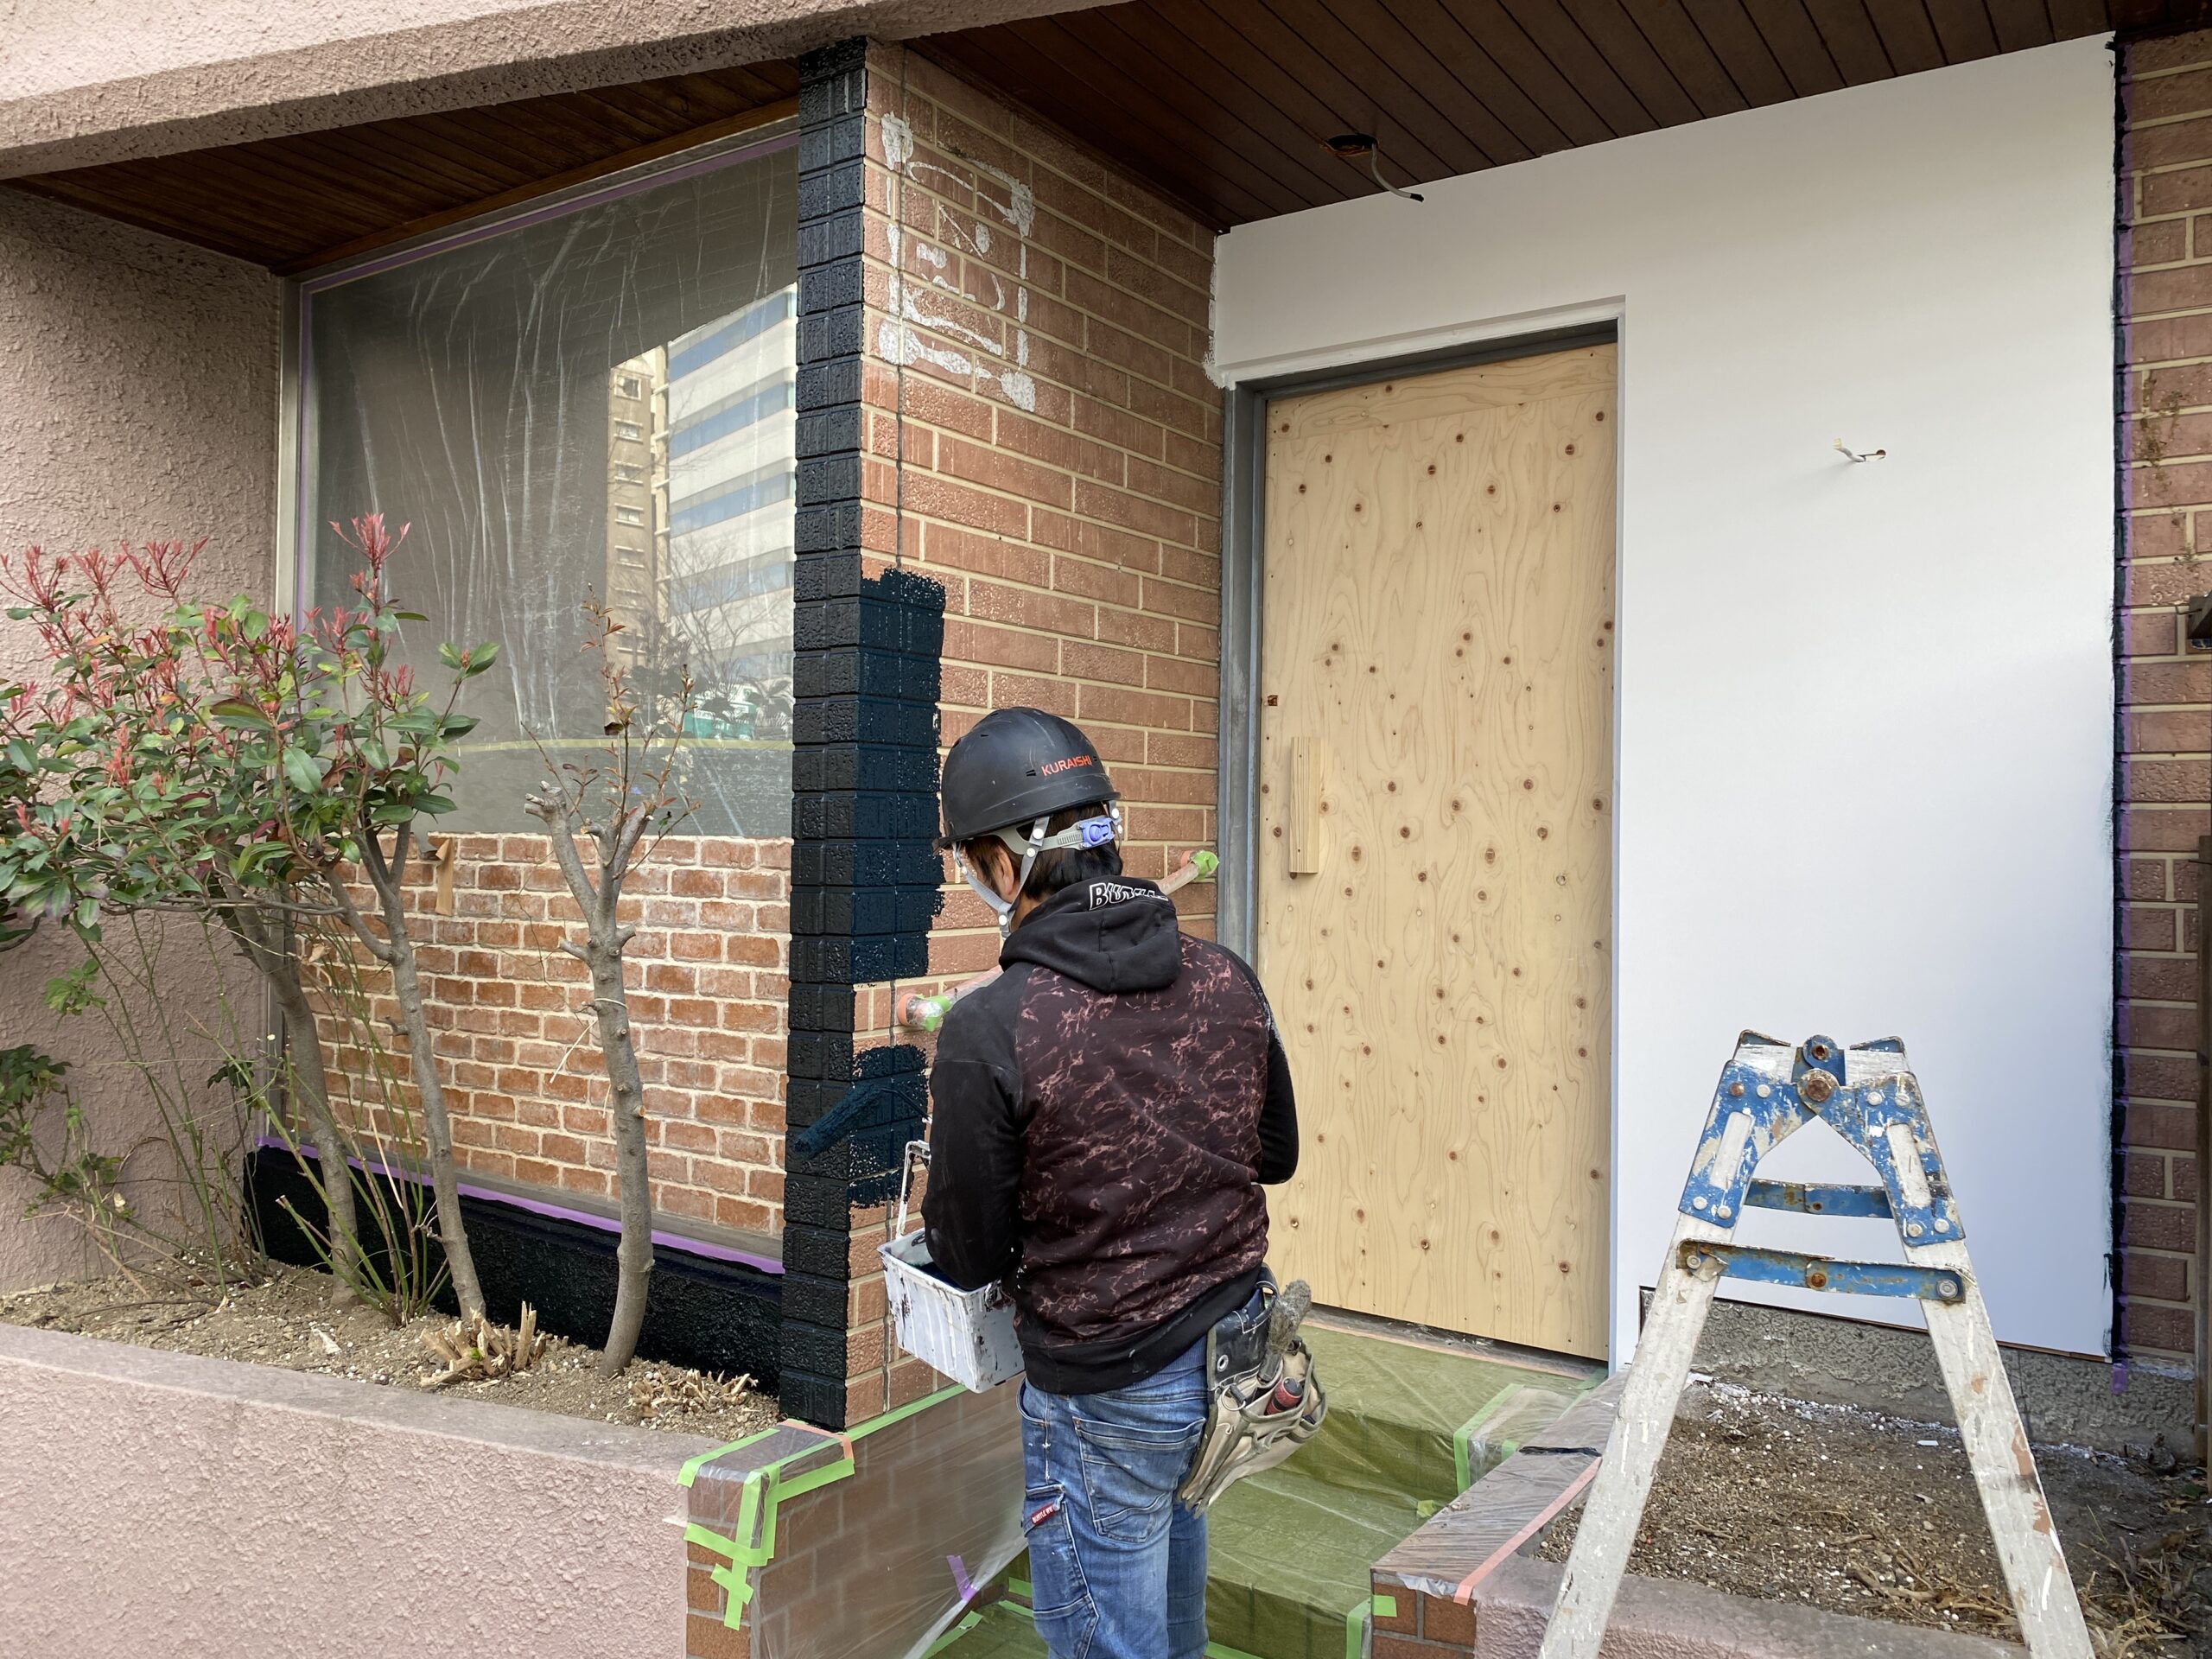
(726, 580)
(632, 589)
(598, 403)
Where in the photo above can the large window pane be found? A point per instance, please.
(594, 400)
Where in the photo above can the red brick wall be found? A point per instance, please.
(1044, 442)
(707, 992)
(1409, 1626)
(1052, 448)
(2165, 252)
(865, 1565)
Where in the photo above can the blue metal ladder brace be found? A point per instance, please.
(1768, 1091)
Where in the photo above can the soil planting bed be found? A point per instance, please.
(287, 1319)
(1857, 1513)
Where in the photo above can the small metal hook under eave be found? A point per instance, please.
(1849, 454)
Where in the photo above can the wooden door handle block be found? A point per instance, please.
(1308, 773)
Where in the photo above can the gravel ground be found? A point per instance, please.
(1857, 1513)
(287, 1319)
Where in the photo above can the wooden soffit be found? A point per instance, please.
(296, 202)
(1228, 104)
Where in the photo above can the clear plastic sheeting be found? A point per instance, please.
(1410, 1425)
(1507, 1425)
(593, 399)
(890, 1558)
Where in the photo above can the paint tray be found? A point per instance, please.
(968, 1335)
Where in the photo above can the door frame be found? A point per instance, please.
(1244, 532)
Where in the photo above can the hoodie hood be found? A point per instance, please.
(1114, 936)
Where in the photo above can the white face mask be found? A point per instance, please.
(1091, 832)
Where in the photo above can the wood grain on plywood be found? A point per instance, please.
(1438, 624)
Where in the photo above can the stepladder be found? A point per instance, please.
(1868, 1095)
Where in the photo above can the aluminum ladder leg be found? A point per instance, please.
(1768, 1091)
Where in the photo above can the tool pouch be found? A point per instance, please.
(1246, 1429)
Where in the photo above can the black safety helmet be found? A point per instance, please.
(1015, 766)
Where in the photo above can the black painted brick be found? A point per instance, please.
(841, 236)
(837, 189)
(828, 431)
(814, 1201)
(813, 1399)
(842, 766)
(822, 1007)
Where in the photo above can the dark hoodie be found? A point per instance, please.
(1105, 1112)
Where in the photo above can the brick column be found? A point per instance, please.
(2166, 261)
(864, 875)
(1009, 458)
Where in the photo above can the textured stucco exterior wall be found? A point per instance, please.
(155, 1502)
(99, 82)
(138, 385)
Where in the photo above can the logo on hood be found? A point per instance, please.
(1103, 893)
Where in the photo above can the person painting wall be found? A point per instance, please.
(1106, 1113)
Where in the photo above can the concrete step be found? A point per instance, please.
(1289, 1554)
(1410, 1423)
(1425, 1420)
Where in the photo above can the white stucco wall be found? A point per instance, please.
(1864, 727)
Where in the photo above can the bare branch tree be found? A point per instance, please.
(622, 808)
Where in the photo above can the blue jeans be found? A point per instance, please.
(1117, 1568)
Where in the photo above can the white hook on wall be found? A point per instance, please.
(1849, 454)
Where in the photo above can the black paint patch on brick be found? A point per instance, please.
(721, 1317)
(813, 1399)
(865, 872)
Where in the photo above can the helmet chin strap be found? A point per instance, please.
(1091, 832)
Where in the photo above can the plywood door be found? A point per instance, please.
(1435, 833)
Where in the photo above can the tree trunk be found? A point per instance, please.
(261, 941)
(310, 1074)
(633, 1256)
(605, 936)
(437, 1126)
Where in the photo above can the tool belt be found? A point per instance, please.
(1265, 1401)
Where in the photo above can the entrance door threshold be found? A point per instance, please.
(1457, 1342)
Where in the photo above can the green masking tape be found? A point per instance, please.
(1463, 1451)
(690, 1470)
(765, 1490)
(876, 1425)
(1356, 1622)
(767, 1487)
(952, 1635)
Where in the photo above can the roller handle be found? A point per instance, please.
(920, 1013)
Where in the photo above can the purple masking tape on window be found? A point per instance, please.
(960, 1579)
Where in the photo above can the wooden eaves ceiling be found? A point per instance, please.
(296, 202)
(1228, 103)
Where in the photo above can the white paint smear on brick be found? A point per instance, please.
(901, 338)
(1865, 710)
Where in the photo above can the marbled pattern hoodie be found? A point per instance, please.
(1106, 1111)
